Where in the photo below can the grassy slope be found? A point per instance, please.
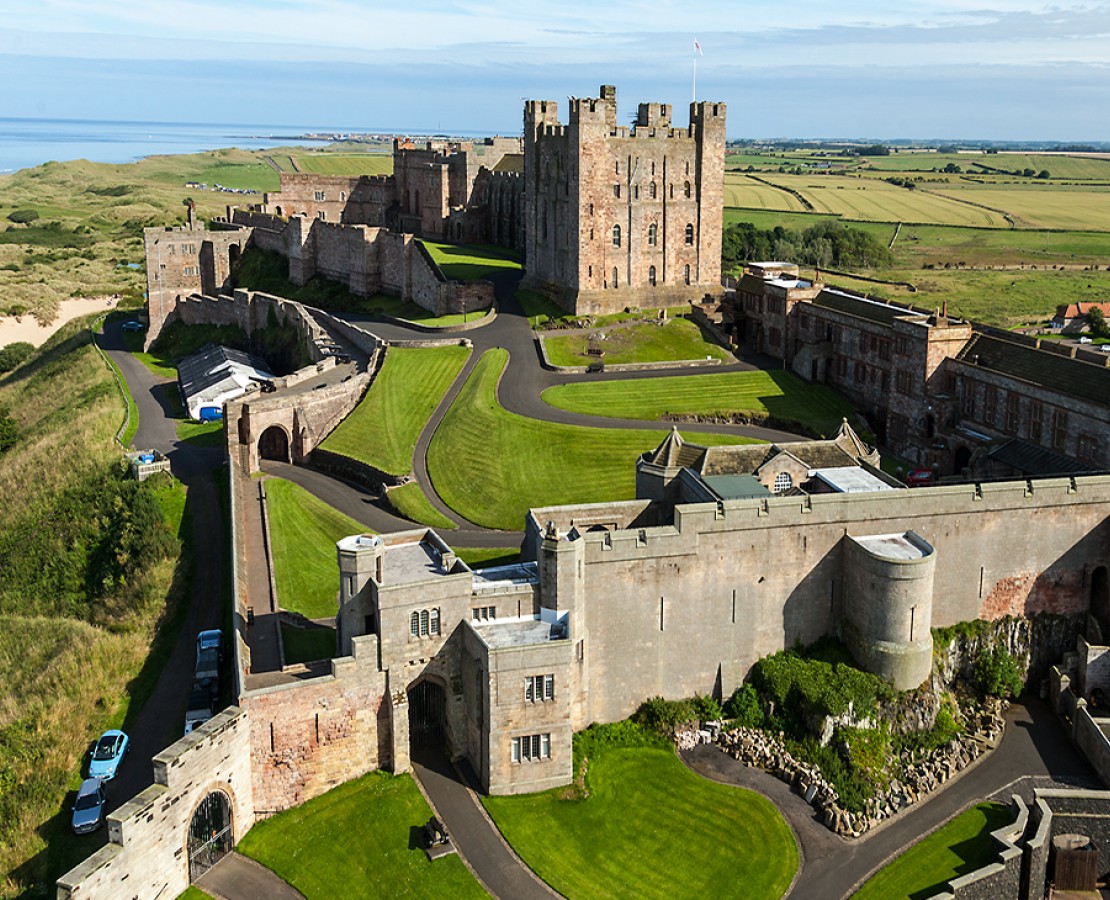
(303, 532)
(674, 339)
(409, 500)
(733, 843)
(311, 846)
(383, 429)
(492, 465)
(63, 679)
(781, 395)
(467, 262)
(961, 846)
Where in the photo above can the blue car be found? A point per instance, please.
(132, 326)
(107, 755)
(88, 808)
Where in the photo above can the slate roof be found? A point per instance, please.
(1029, 459)
(1073, 377)
(862, 308)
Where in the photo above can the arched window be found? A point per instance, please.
(414, 625)
(615, 284)
(434, 626)
(653, 232)
(686, 274)
(616, 235)
(783, 482)
(653, 190)
(651, 276)
(686, 189)
(689, 234)
(423, 623)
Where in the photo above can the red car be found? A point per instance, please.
(920, 477)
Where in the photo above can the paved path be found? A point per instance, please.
(476, 838)
(1034, 745)
(237, 878)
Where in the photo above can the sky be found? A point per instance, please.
(982, 69)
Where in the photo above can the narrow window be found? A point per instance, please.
(414, 625)
(635, 192)
(651, 276)
(653, 190)
(653, 233)
(545, 746)
(616, 190)
(423, 623)
(686, 189)
(690, 234)
(615, 277)
(433, 626)
(516, 749)
(342, 195)
(686, 274)
(616, 235)
(548, 687)
(529, 689)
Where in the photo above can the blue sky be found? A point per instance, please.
(991, 69)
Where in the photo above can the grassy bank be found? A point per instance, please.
(410, 501)
(468, 262)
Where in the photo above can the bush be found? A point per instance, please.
(997, 673)
(661, 716)
(9, 432)
(707, 709)
(14, 355)
(23, 216)
(743, 707)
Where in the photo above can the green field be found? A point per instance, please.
(356, 841)
(468, 262)
(491, 465)
(1040, 205)
(961, 846)
(650, 828)
(653, 341)
(383, 429)
(303, 532)
(779, 395)
(352, 164)
(409, 500)
(740, 190)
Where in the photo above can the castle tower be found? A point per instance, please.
(619, 216)
(561, 565)
(361, 562)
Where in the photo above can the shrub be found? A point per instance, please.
(743, 707)
(9, 432)
(997, 673)
(661, 716)
(23, 216)
(14, 355)
(707, 709)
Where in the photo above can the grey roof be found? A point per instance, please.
(1074, 377)
(863, 308)
(736, 487)
(211, 364)
(1029, 459)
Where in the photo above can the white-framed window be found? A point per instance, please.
(483, 613)
(651, 276)
(616, 235)
(414, 624)
(539, 688)
(434, 625)
(424, 623)
(783, 482)
(531, 747)
(689, 234)
(318, 196)
(191, 270)
(653, 234)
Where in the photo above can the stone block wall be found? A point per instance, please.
(147, 836)
(1093, 738)
(308, 736)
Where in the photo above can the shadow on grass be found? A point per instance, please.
(813, 409)
(974, 853)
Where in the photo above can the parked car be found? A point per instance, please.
(88, 808)
(211, 414)
(132, 326)
(199, 709)
(108, 754)
(920, 477)
(209, 652)
(211, 639)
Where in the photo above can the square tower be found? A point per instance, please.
(619, 216)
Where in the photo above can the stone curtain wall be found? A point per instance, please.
(145, 855)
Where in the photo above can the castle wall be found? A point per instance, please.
(147, 836)
(347, 254)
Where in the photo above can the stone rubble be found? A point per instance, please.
(918, 779)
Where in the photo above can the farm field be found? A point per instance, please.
(1041, 206)
(779, 395)
(383, 429)
(741, 190)
(352, 164)
(491, 466)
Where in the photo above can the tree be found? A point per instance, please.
(1097, 321)
(1044, 173)
(952, 169)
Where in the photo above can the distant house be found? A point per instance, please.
(214, 375)
(1072, 318)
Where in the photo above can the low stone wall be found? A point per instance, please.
(1090, 736)
(147, 836)
(353, 470)
(1001, 879)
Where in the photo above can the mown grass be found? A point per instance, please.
(305, 645)
(491, 465)
(780, 396)
(73, 655)
(328, 163)
(468, 262)
(653, 341)
(383, 429)
(201, 434)
(538, 309)
(411, 502)
(303, 532)
(652, 828)
(961, 846)
(311, 846)
(487, 557)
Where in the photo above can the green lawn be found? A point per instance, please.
(650, 828)
(409, 500)
(383, 429)
(539, 309)
(468, 262)
(177, 341)
(634, 342)
(359, 840)
(201, 434)
(781, 395)
(329, 163)
(961, 846)
(304, 645)
(487, 557)
(303, 532)
(491, 465)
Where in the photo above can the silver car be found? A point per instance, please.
(88, 808)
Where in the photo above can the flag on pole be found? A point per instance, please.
(697, 47)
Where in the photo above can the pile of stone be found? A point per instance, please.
(919, 777)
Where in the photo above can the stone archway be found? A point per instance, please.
(427, 702)
(211, 836)
(273, 443)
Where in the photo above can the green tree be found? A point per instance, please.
(1044, 173)
(1097, 321)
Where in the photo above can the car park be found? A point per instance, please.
(108, 754)
(89, 807)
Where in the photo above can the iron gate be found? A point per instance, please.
(209, 834)
(426, 707)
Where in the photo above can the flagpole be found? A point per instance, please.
(695, 97)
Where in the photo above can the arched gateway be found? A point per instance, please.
(210, 834)
(427, 710)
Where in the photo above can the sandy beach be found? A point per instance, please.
(27, 328)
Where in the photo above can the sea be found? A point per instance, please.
(31, 142)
